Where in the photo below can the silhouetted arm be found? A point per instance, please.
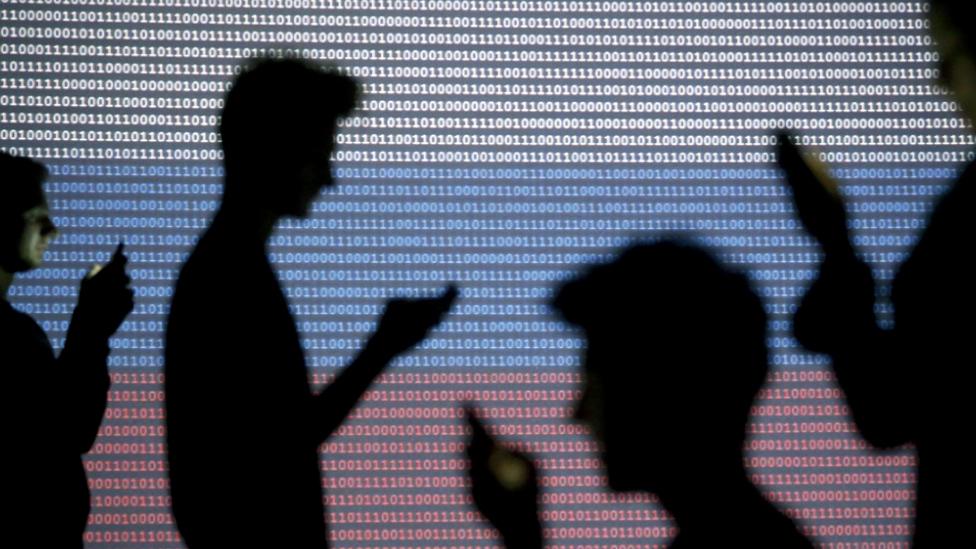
(404, 324)
(873, 365)
(334, 403)
(103, 303)
(836, 315)
(83, 372)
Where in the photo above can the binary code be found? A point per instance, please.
(499, 145)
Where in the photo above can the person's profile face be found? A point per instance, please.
(314, 172)
(36, 232)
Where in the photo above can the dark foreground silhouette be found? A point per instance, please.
(243, 426)
(52, 406)
(911, 383)
(675, 353)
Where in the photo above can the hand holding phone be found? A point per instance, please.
(503, 486)
(105, 298)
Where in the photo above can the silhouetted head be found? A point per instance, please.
(953, 27)
(278, 127)
(26, 228)
(675, 353)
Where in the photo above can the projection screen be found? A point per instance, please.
(500, 145)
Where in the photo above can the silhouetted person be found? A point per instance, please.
(243, 427)
(912, 383)
(675, 353)
(52, 406)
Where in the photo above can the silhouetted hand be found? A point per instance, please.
(815, 196)
(504, 488)
(405, 322)
(105, 298)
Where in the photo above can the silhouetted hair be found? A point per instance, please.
(22, 179)
(276, 106)
(668, 302)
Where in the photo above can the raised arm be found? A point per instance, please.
(103, 303)
(836, 316)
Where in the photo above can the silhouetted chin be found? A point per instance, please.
(303, 208)
(295, 208)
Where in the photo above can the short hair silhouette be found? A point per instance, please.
(278, 107)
